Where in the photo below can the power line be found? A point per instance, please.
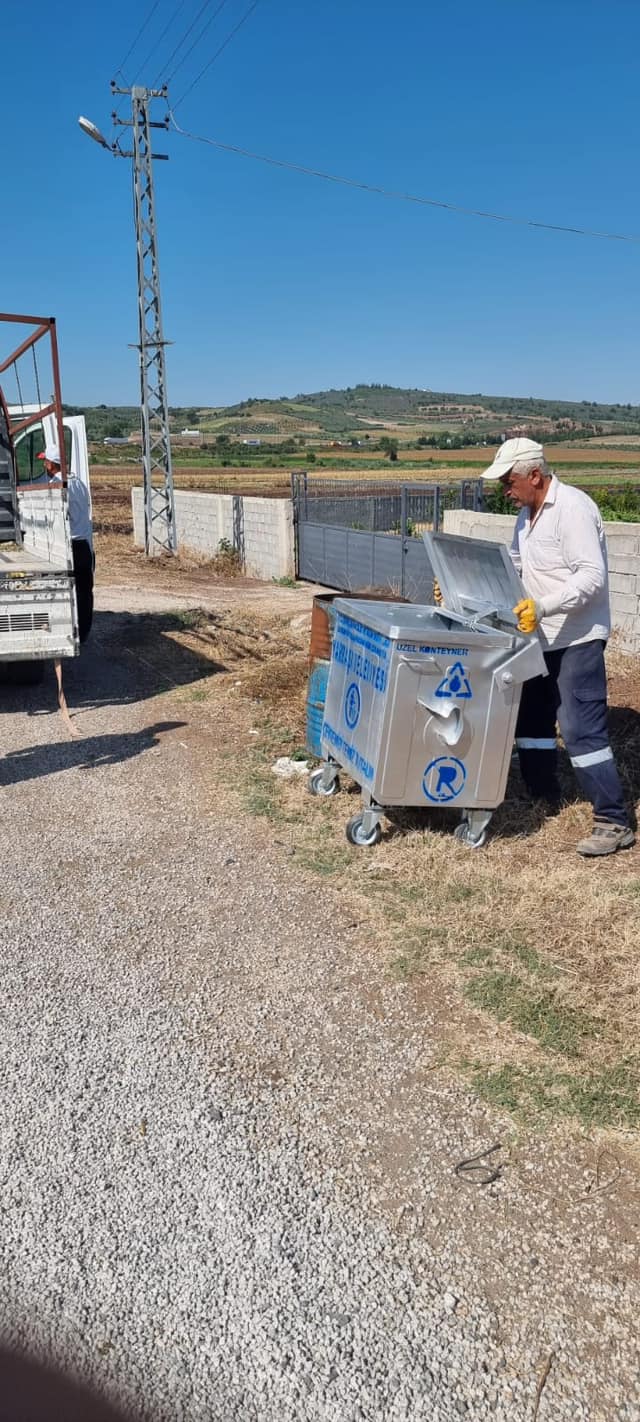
(198, 37)
(139, 35)
(181, 41)
(172, 18)
(390, 193)
(218, 52)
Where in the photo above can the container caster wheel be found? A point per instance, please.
(317, 785)
(464, 836)
(356, 834)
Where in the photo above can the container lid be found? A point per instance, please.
(476, 577)
(418, 623)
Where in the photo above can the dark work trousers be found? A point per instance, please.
(574, 695)
(83, 565)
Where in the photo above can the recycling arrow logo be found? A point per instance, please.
(455, 685)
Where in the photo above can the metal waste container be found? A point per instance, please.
(422, 701)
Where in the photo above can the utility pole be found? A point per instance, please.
(159, 504)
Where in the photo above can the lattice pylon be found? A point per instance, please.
(159, 504)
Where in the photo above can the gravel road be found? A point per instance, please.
(227, 1164)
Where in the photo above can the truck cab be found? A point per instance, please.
(32, 442)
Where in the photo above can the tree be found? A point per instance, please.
(389, 448)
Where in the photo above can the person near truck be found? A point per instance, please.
(81, 536)
(560, 552)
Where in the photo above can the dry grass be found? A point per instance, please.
(617, 441)
(534, 950)
(262, 651)
(556, 454)
(526, 907)
(281, 680)
(116, 557)
(524, 919)
(529, 953)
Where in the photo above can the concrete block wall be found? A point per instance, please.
(261, 529)
(495, 528)
(269, 548)
(623, 549)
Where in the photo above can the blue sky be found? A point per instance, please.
(274, 283)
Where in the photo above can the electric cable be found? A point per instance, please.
(139, 35)
(391, 193)
(172, 18)
(197, 39)
(218, 52)
(176, 49)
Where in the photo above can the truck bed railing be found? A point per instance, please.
(43, 330)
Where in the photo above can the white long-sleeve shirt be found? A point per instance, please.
(562, 559)
(80, 520)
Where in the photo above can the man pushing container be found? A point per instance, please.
(560, 552)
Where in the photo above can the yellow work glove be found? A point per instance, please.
(437, 595)
(528, 615)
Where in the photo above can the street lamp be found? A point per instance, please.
(92, 132)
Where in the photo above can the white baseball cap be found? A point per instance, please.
(52, 453)
(510, 453)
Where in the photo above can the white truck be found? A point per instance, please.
(38, 603)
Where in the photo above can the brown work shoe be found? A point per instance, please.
(605, 838)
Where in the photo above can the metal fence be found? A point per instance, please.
(376, 506)
(356, 533)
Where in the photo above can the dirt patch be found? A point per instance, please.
(117, 558)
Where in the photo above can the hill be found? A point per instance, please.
(364, 412)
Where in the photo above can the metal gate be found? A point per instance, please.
(357, 535)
